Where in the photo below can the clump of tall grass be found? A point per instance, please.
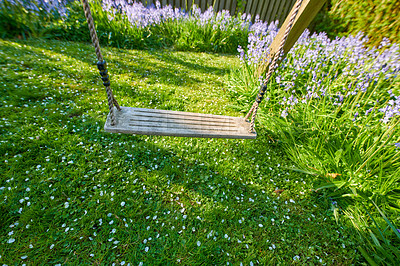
(334, 106)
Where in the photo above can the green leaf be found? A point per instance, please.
(387, 221)
(367, 257)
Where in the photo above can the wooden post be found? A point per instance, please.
(307, 12)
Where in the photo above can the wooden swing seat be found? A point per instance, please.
(143, 121)
(182, 124)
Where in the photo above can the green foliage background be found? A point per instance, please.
(376, 18)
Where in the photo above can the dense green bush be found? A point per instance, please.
(376, 18)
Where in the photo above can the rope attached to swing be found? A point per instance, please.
(101, 64)
(272, 67)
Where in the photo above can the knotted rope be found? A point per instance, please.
(272, 67)
(101, 64)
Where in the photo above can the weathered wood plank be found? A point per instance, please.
(209, 3)
(178, 119)
(263, 14)
(160, 111)
(219, 5)
(181, 124)
(202, 5)
(254, 8)
(228, 6)
(233, 7)
(280, 10)
(215, 4)
(248, 6)
(177, 126)
(260, 6)
(270, 10)
(189, 5)
(275, 10)
(198, 2)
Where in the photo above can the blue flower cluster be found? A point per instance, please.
(139, 15)
(40, 6)
(142, 16)
(325, 61)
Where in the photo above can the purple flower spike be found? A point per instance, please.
(284, 113)
(40, 7)
(369, 111)
(355, 116)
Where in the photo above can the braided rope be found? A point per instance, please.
(250, 111)
(92, 29)
(103, 72)
(272, 67)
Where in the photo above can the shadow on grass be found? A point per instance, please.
(133, 78)
(161, 61)
(67, 155)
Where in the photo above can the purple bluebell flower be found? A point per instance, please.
(284, 113)
(42, 7)
(368, 111)
(355, 116)
(392, 109)
(324, 61)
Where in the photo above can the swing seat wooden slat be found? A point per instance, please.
(182, 124)
(143, 121)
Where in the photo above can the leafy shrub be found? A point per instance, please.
(376, 19)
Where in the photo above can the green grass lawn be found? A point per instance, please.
(73, 194)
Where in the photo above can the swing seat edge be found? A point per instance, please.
(142, 121)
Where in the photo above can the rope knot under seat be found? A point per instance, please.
(102, 65)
